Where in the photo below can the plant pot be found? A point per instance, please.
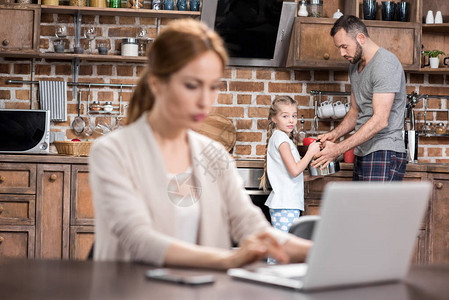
(434, 62)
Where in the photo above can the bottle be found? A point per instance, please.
(301, 132)
(302, 11)
(316, 8)
(115, 3)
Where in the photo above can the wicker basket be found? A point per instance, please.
(73, 148)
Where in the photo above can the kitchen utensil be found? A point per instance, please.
(78, 122)
(102, 125)
(88, 131)
(220, 129)
(331, 168)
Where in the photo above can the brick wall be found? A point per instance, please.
(245, 95)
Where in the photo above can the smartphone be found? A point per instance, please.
(166, 275)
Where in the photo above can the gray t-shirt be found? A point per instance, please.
(383, 74)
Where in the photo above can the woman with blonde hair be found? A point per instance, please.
(166, 195)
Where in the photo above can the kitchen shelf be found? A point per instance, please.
(127, 12)
(93, 57)
(441, 28)
(433, 71)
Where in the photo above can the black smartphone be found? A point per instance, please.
(167, 275)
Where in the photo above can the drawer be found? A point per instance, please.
(16, 242)
(81, 241)
(17, 178)
(17, 209)
(82, 210)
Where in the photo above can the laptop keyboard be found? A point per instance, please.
(292, 271)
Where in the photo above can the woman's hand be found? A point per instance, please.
(314, 148)
(257, 247)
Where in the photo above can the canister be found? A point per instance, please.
(316, 8)
(130, 47)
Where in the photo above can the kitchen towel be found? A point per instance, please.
(53, 97)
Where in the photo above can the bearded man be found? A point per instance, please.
(378, 100)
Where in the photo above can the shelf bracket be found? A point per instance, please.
(77, 21)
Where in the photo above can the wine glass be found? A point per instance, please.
(141, 37)
(90, 35)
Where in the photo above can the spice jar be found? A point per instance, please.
(440, 129)
(316, 8)
(108, 106)
(95, 106)
(130, 47)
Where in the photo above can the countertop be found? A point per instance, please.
(241, 163)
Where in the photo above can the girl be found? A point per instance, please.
(154, 201)
(283, 165)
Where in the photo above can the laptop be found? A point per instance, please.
(366, 234)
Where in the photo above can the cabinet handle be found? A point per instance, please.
(1, 209)
(53, 177)
(439, 185)
(2, 179)
(326, 56)
(5, 42)
(1, 239)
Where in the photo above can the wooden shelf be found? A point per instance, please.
(93, 57)
(440, 28)
(128, 12)
(428, 70)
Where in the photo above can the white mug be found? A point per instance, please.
(326, 109)
(339, 110)
(438, 17)
(429, 17)
(347, 106)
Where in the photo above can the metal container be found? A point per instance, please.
(331, 168)
(130, 47)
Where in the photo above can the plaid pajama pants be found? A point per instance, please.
(383, 165)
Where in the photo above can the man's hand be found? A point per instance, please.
(328, 154)
(329, 136)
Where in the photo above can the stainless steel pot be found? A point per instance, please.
(331, 168)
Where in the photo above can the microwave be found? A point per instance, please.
(24, 131)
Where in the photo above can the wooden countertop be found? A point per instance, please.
(241, 163)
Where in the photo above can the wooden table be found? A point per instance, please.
(46, 279)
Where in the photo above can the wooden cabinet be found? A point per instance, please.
(45, 207)
(311, 45)
(17, 210)
(438, 235)
(432, 241)
(19, 29)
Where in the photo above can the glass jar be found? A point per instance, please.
(440, 129)
(107, 107)
(316, 8)
(95, 106)
(130, 47)
(78, 3)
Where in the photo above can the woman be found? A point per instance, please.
(166, 195)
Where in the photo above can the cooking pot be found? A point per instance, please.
(331, 168)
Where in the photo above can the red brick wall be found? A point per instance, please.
(245, 95)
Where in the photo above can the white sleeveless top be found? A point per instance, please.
(182, 192)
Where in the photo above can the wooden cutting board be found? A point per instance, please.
(220, 129)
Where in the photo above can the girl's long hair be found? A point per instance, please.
(274, 109)
(179, 43)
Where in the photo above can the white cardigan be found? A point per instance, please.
(133, 213)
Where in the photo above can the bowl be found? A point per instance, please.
(78, 50)
(331, 168)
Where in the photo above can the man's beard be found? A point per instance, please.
(357, 55)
